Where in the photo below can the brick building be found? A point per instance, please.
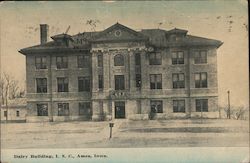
(121, 73)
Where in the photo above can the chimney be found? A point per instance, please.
(44, 30)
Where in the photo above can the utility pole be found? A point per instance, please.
(228, 100)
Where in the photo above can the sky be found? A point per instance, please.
(216, 19)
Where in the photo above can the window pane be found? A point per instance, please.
(119, 60)
(43, 60)
(42, 110)
(181, 77)
(196, 54)
(156, 106)
(138, 80)
(100, 60)
(62, 84)
(203, 54)
(175, 77)
(204, 80)
(205, 105)
(198, 105)
(137, 59)
(174, 55)
(119, 82)
(180, 55)
(100, 80)
(197, 77)
(204, 76)
(41, 84)
(158, 78)
(63, 109)
(152, 78)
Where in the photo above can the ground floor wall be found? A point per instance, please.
(13, 114)
(132, 109)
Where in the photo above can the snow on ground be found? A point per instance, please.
(161, 133)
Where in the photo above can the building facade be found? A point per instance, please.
(120, 73)
(15, 111)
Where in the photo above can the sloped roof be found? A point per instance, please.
(177, 31)
(61, 36)
(16, 103)
(86, 35)
(146, 34)
(118, 25)
(190, 40)
(186, 40)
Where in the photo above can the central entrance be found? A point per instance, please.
(119, 109)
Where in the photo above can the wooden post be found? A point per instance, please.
(228, 100)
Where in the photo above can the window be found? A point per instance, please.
(119, 60)
(201, 105)
(137, 59)
(201, 80)
(138, 80)
(200, 57)
(156, 106)
(100, 60)
(100, 81)
(42, 109)
(85, 108)
(155, 81)
(179, 106)
(40, 62)
(84, 84)
(62, 84)
(177, 58)
(5, 113)
(62, 62)
(41, 85)
(178, 81)
(63, 109)
(17, 113)
(83, 61)
(119, 82)
(155, 59)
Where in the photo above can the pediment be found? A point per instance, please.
(118, 32)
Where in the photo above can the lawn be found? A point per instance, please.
(155, 133)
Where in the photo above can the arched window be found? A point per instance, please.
(119, 60)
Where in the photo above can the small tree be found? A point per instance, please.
(236, 112)
(9, 89)
(93, 23)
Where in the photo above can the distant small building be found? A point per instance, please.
(16, 111)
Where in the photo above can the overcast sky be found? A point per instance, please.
(221, 20)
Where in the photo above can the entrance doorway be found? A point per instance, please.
(119, 109)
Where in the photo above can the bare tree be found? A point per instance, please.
(14, 89)
(93, 23)
(7, 88)
(236, 112)
(2, 86)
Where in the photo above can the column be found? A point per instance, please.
(97, 111)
